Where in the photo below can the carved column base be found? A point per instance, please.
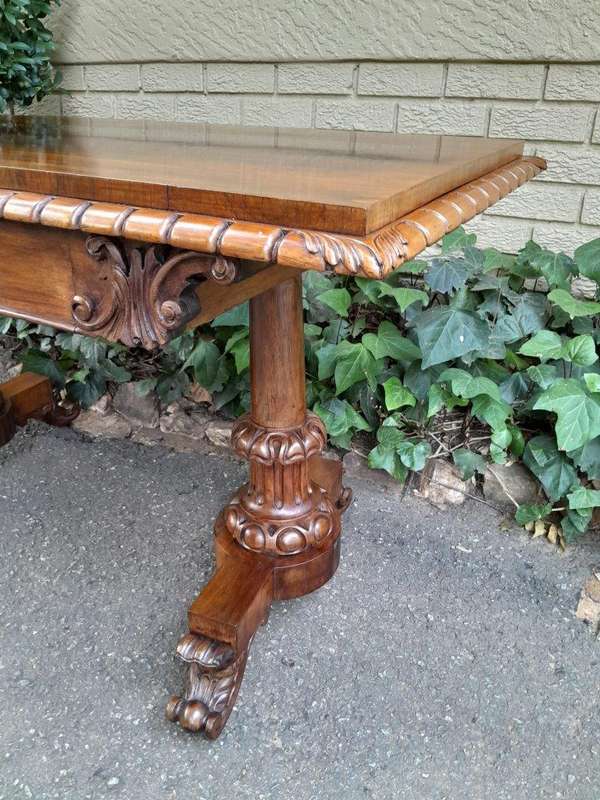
(226, 614)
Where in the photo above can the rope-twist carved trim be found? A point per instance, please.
(372, 256)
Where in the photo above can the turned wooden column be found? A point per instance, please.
(277, 356)
(280, 511)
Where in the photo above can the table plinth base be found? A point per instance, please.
(29, 396)
(226, 614)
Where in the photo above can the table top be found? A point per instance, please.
(345, 182)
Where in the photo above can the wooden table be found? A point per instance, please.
(133, 231)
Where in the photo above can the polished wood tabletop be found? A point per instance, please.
(341, 181)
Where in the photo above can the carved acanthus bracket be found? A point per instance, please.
(213, 676)
(142, 294)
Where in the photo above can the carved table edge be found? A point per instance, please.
(371, 256)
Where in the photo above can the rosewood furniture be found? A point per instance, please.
(132, 231)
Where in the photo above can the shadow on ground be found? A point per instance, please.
(442, 661)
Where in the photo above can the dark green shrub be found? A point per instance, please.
(26, 46)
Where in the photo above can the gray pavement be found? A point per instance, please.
(442, 661)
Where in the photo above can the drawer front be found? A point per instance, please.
(37, 266)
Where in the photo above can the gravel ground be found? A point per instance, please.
(442, 661)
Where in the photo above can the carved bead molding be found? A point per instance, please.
(144, 294)
(373, 256)
(213, 676)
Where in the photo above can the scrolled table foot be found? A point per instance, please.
(213, 677)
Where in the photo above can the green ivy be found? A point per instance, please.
(473, 355)
(26, 46)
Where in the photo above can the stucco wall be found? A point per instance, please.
(523, 68)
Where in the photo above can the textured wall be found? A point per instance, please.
(522, 68)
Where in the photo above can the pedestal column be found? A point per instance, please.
(278, 537)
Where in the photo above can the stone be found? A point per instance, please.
(507, 486)
(103, 405)
(176, 419)
(138, 409)
(584, 288)
(198, 394)
(442, 485)
(219, 432)
(588, 608)
(109, 426)
(8, 368)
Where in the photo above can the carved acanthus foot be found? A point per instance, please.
(213, 676)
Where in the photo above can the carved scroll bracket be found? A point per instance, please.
(142, 295)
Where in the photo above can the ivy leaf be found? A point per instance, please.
(390, 435)
(543, 375)
(446, 275)
(414, 455)
(555, 267)
(458, 239)
(204, 359)
(389, 342)
(592, 381)
(241, 355)
(474, 259)
(552, 468)
(578, 413)
(572, 306)
(532, 512)
(337, 299)
(326, 357)
(240, 315)
(587, 259)
(581, 351)
(467, 386)
(312, 331)
(447, 333)
(355, 364)
(88, 391)
(494, 412)
(587, 458)
(41, 364)
(397, 395)
(404, 297)
(339, 417)
(386, 458)
(144, 387)
(575, 523)
(114, 372)
(583, 498)
(496, 260)
(92, 349)
(172, 387)
(468, 463)
(545, 345)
